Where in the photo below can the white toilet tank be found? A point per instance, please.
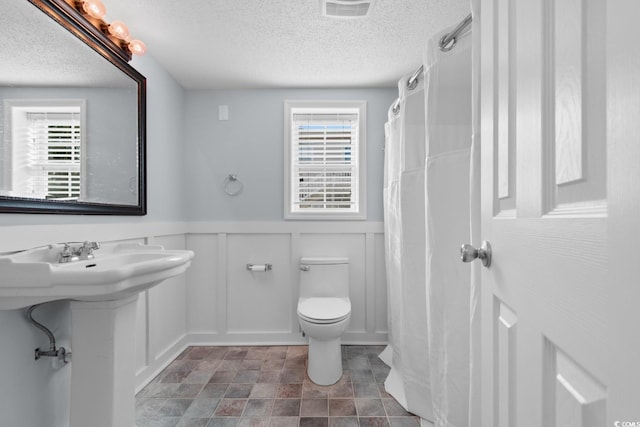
(324, 277)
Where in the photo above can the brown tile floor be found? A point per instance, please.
(267, 386)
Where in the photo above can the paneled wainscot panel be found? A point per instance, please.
(219, 302)
(258, 301)
(230, 305)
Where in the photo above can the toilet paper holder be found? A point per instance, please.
(259, 267)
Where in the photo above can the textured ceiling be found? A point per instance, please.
(213, 44)
(35, 51)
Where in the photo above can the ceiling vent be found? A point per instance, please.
(346, 8)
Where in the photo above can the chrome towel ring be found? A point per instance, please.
(232, 185)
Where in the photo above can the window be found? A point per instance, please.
(325, 159)
(46, 147)
(55, 154)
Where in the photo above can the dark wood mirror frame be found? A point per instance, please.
(72, 20)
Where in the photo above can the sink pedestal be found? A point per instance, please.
(103, 363)
(104, 291)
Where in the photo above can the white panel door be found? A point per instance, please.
(560, 114)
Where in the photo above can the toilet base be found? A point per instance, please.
(325, 361)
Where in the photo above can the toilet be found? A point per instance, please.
(324, 309)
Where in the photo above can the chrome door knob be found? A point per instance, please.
(468, 253)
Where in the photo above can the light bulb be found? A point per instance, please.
(118, 29)
(137, 47)
(94, 8)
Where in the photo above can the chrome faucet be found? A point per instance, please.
(68, 254)
(86, 251)
(75, 253)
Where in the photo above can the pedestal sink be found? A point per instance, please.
(104, 290)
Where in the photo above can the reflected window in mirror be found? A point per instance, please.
(44, 143)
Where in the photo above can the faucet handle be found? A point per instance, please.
(67, 254)
(89, 246)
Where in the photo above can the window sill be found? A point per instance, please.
(325, 217)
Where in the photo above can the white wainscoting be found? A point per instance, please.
(230, 305)
(218, 301)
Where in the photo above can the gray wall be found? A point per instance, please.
(165, 162)
(250, 144)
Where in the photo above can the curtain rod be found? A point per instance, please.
(447, 42)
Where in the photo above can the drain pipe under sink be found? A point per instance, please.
(61, 353)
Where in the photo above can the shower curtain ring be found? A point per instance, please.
(446, 43)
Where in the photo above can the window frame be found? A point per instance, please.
(361, 191)
(16, 110)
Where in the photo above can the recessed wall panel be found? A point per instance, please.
(380, 286)
(202, 291)
(259, 301)
(167, 307)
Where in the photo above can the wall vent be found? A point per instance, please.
(346, 8)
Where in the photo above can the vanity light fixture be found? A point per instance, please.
(119, 29)
(94, 8)
(137, 47)
(116, 31)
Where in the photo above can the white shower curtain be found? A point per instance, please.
(404, 200)
(426, 206)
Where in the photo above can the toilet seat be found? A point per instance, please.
(324, 309)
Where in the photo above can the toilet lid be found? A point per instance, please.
(324, 308)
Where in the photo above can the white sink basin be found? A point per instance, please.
(117, 271)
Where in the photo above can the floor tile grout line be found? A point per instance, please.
(242, 354)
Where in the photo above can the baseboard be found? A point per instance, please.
(349, 338)
(149, 372)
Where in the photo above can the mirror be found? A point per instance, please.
(72, 115)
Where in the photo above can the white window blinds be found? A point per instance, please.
(54, 154)
(325, 160)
